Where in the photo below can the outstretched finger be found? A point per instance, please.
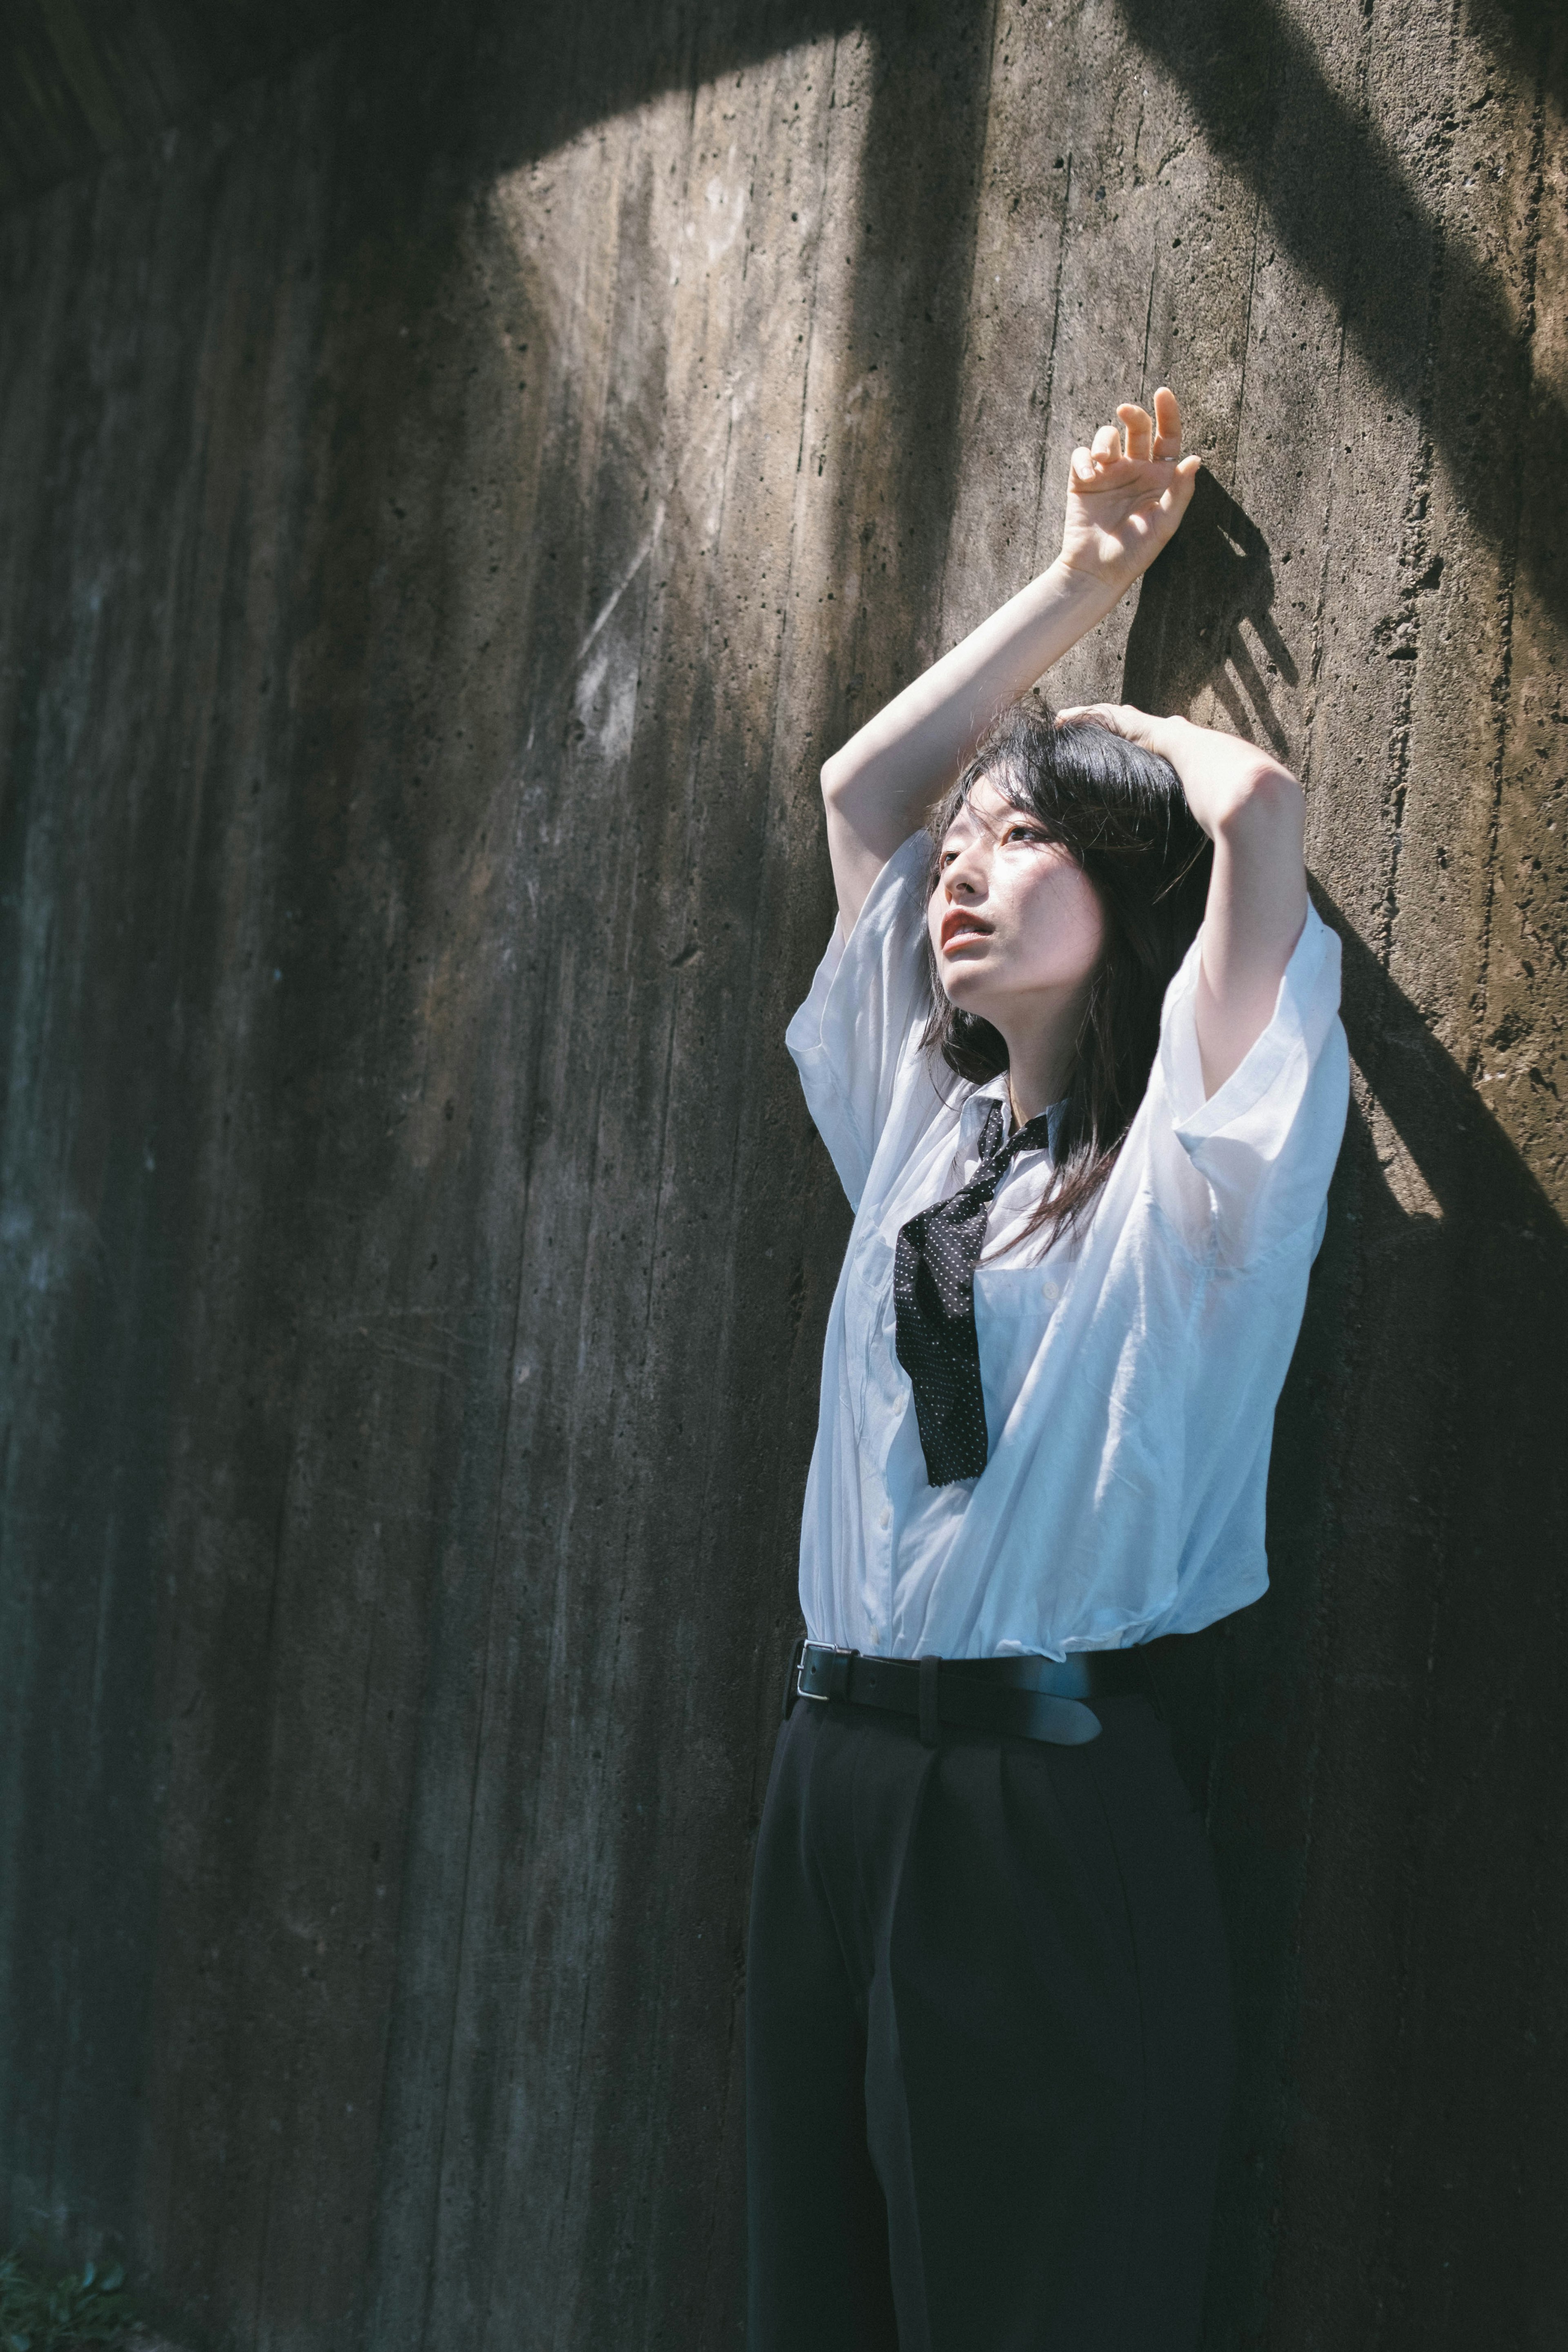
(1167, 424)
(1107, 443)
(1139, 429)
(1083, 469)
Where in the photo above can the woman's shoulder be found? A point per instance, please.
(857, 1039)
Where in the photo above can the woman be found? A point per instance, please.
(1088, 1145)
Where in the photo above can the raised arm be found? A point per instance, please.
(1125, 497)
(1252, 810)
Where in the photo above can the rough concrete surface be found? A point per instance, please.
(456, 477)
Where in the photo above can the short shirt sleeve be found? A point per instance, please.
(1264, 1145)
(865, 1017)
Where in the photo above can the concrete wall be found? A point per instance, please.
(455, 483)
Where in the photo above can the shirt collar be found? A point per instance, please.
(971, 1118)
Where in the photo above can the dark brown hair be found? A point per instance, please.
(1123, 814)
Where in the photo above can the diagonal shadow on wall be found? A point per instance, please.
(1351, 213)
(1267, 107)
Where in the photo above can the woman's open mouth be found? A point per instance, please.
(960, 929)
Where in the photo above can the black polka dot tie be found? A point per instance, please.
(934, 1300)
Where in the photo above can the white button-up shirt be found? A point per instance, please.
(1129, 1374)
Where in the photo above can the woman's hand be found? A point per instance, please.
(1125, 501)
(1253, 812)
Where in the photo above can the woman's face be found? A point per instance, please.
(1016, 925)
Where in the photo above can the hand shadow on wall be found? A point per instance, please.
(1186, 634)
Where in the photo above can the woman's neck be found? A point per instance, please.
(1040, 1057)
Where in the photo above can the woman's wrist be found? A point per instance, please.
(1174, 739)
(1089, 589)
(1070, 604)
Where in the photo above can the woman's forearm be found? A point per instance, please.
(1125, 496)
(878, 788)
(1253, 812)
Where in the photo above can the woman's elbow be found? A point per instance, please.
(1265, 803)
(837, 774)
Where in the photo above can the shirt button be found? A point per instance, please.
(884, 1516)
(1050, 1288)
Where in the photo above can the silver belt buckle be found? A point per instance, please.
(818, 1698)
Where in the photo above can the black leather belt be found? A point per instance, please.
(1029, 1699)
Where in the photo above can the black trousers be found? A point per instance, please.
(988, 2042)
